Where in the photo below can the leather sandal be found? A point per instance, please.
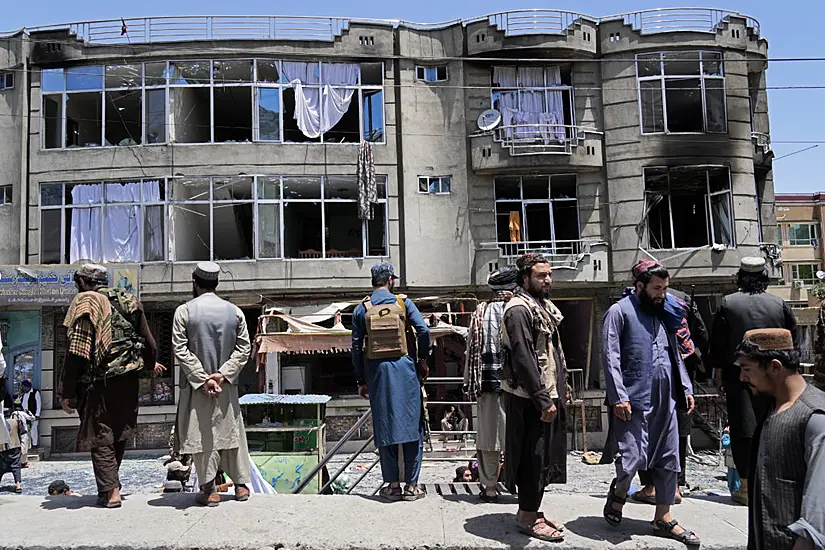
(211, 500)
(611, 515)
(664, 529)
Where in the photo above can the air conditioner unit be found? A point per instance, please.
(798, 284)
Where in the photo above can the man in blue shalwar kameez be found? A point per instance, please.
(644, 376)
(392, 383)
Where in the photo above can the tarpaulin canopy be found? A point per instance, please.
(305, 337)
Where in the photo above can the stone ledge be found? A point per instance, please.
(155, 522)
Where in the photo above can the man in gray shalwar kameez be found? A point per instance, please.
(644, 375)
(211, 345)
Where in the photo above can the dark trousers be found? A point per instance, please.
(745, 411)
(106, 462)
(530, 492)
(535, 452)
(646, 476)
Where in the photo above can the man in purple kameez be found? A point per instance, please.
(645, 375)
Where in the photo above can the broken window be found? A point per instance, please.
(53, 121)
(190, 219)
(232, 218)
(537, 213)
(318, 218)
(233, 114)
(156, 116)
(111, 222)
(84, 127)
(688, 207)
(189, 114)
(681, 92)
(123, 117)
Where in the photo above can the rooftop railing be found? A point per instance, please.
(513, 23)
(663, 20)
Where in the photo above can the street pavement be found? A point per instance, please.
(457, 522)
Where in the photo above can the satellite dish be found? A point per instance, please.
(820, 275)
(489, 119)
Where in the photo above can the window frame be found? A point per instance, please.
(6, 195)
(167, 83)
(663, 78)
(439, 180)
(708, 205)
(570, 129)
(168, 203)
(550, 201)
(805, 282)
(421, 73)
(103, 205)
(813, 232)
(6, 80)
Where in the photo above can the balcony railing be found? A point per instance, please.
(513, 23)
(664, 20)
(559, 253)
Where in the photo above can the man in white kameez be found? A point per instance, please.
(211, 345)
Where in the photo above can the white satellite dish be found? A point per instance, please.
(820, 275)
(489, 119)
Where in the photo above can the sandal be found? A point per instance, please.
(392, 494)
(413, 493)
(551, 534)
(551, 522)
(664, 529)
(611, 515)
(642, 496)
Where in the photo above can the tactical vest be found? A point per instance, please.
(545, 341)
(386, 326)
(125, 353)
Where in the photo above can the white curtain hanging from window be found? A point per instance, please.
(555, 105)
(541, 113)
(85, 230)
(318, 109)
(121, 224)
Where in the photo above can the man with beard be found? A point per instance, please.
(482, 378)
(109, 343)
(645, 376)
(748, 309)
(533, 384)
(787, 509)
(211, 345)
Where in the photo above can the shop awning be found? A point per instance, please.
(304, 337)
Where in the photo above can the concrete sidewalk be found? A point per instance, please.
(153, 522)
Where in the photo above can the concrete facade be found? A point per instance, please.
(801, 222)
(437, 80)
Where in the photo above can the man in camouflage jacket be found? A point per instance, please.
(109, 344)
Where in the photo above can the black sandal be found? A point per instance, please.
(487, 499)
(664, 529)
(611, 515)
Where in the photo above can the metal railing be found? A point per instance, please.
(550, 248)
(664, 20)
(530, 22)
(143, 30)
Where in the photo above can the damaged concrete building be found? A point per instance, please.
(150, 144)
